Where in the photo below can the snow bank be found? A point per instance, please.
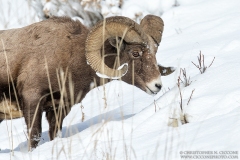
(123, 122)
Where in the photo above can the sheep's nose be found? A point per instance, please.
(158, 86)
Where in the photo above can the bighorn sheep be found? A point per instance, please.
(32, 58)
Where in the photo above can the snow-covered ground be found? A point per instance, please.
(135, 125)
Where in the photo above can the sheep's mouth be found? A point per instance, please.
(143, 86)
(149, 91)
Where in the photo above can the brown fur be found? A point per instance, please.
(59, 44)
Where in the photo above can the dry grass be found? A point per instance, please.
(201, 63)
(185, 80)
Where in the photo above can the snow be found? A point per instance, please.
(16, 13)
(123, 122)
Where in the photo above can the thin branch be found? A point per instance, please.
(212, 62)
(155, 106)
(201, 61)
(178, 84)
(186, 81)
(190, 97)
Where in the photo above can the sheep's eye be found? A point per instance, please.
(135, 54)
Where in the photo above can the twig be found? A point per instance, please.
(190, 96)
(186, 81)
(25, 135)
(155, 105)
(202, 68)
(195, 64)
(178, 84)
(212, 62)
(83, 115)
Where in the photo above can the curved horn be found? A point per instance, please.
(117, 26)
(153, 26)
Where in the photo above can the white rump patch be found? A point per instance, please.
(119, 68)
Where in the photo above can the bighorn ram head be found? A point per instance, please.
(32, 57)
(137, 45)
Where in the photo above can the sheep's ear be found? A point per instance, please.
(116, 42)
(165, 70)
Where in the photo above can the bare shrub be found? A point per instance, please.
(185, 79)
(201, 65)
